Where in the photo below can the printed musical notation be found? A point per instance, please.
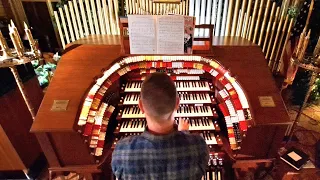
(142, 34)
(156, 34)
(170, 31)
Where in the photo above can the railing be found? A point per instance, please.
(80, 18)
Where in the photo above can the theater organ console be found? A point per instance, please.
(103, 108)
(210, 98)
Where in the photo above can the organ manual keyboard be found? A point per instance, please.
(211, 98)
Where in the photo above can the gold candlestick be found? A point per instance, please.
(17, 35)
(4, 47)
(304, 47)
(32, 42)
(23, 92)
(15, 42)
(300, 43)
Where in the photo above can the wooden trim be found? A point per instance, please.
(48, 149)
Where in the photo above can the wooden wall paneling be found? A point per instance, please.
(16, 122)
(10, 159)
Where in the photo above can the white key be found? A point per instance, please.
(209, 138)
(213, 175)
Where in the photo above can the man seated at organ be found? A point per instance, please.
(163, 150)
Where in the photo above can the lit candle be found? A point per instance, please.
(32, 43)
(15, 42)
(16, 34)
(4, 46)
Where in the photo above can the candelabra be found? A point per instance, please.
(19, 55)
(315, 71)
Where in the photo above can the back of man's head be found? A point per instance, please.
(158, 95)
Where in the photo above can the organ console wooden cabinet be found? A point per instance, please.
(219, 95)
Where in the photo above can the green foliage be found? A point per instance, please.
(315, 93)
(61, 3)
(44, 72)
(293, 12)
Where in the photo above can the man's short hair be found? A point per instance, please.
(159, 95)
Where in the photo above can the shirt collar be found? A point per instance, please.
(148, 135)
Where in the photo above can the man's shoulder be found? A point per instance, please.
(194, 138)
(128, 142)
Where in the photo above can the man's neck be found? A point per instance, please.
(160, 129)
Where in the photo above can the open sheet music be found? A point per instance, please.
(151, 34)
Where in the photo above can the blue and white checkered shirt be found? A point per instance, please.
(178, 155)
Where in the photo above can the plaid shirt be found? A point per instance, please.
(178, 155)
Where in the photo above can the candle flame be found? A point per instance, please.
(12, 24)
(25, 25)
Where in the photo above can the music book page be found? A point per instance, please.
(170, 34)
(142, 34)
